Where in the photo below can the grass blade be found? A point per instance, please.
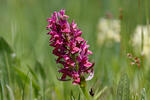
(2, 94)
(30, 89)
(79, 97)
(123, 91)
(143, 94)
(11, 95)
(100, 93)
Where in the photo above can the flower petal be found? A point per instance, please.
(90, 76)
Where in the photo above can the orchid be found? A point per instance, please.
(70, 48)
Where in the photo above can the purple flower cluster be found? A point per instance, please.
(70, 48)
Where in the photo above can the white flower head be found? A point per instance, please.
(137, 39)
(108, 29)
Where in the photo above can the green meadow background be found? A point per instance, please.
(32, 74)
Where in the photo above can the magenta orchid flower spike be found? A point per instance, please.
(70, 48)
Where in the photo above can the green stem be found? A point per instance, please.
(85, 92)
(83, 87)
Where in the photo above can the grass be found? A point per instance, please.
(32, 73)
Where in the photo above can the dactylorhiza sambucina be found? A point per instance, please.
(70, 48)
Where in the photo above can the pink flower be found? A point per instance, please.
(70, 48)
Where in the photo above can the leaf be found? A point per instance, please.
(6, 61)
(123, 91)
(71, 96)
(79, 97)
(2, 93)
(4, 46)
(98, 95)
(143, 94)
(40, 69)
(30, 89)
(33, 73)
(11, 95)
(26, 78)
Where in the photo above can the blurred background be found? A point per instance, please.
(113, 28)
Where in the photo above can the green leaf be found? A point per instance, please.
(123, 90)
(2, 93)
(40, 69)
(72, 96)
(99, 94)
(6, 61)
(4, 46)
(11, 94)
(143, 94)
(79, 97)
(26, 78)
(33, 73)
(30, 89)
